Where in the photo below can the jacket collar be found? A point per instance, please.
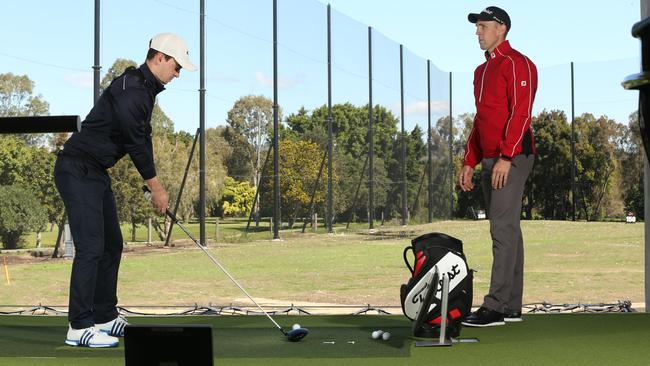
(500, 50)
(150, 79)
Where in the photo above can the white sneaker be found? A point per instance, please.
(90, 337)
(113, 328)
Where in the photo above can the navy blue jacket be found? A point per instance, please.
(120, 123)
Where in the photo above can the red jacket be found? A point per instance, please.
(504, 91)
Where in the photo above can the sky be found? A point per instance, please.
(52, 43)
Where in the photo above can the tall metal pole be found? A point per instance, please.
(276, 130)
(646, 237)
(645, 12)
(401, 86)
(330, 141)
(451, 150)
(97, 67)
(371, 140)
(573, 148)
(202, 128)
(429, 143)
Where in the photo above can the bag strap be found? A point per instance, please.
(406, 260)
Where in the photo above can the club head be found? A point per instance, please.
(297, 334)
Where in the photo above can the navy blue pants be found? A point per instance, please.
(92, 215)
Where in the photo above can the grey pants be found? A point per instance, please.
(504, 211)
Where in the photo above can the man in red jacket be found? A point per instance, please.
(502, 141)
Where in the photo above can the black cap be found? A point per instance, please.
(491, 13)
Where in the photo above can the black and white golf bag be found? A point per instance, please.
(445, 252)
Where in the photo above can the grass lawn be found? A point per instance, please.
(566, 262)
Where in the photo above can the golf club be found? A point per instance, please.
(293, 335)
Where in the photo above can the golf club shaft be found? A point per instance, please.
(215, 261)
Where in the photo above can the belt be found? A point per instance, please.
(82, 157)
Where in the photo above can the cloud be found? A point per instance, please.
(283, 81)
(226, 79)
(80, 80)
(420, 108)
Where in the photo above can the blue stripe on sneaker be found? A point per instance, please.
(86, 337)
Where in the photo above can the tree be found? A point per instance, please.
(416, 162)
(116, 69)
(298, 171)
(20, 211)
(350, 129)
(596, 141)
(466, 203)
(38, 178)
(441, 170)
(551, 176)
(218, 151)
(252, 118)
(131, 205)
(238, 161)
(462, 128)
(17, 99)
(631, 155)
(237, 198)
(31, 167)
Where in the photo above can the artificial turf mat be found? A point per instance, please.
(560, 339)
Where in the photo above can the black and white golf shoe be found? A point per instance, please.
(484, 317)
(90, 337)
(113, 328)
(513, 316)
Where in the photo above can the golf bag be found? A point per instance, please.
(445, 252)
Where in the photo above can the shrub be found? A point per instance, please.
(20, 211)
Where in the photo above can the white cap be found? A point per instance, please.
(174, 46)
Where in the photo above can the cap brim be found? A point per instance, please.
(475, 17)
(186, 64)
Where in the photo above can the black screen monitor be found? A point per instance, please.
(168, 345)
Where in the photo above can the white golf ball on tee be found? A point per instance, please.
(295, 326)
(386, 336)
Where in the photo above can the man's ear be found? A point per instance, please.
(159, 56)
(503, 30)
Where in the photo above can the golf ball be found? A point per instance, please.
(377, 334)
(385, 336)
(295, 326)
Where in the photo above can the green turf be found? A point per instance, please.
(564, 339)
(566, 262)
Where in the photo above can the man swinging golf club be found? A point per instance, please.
(119, 123)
